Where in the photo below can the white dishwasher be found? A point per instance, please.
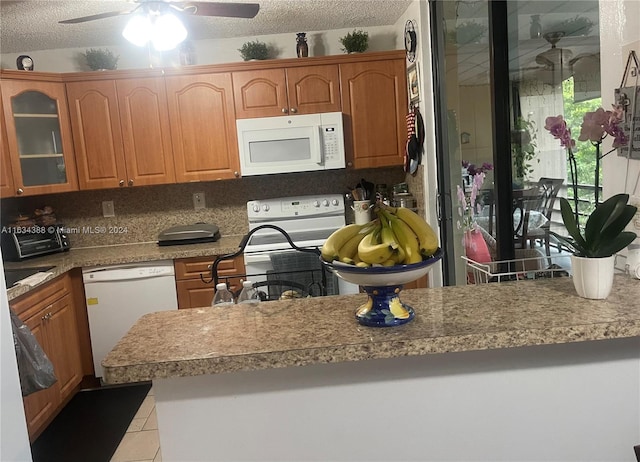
(117, 296)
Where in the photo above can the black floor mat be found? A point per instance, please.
(90, 426)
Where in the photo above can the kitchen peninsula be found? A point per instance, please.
(513, 371)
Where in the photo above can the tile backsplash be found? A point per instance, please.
(141, 213)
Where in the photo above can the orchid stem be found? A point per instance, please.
(596, 183)
(574, 171)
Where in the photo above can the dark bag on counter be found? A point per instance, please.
(34, 368)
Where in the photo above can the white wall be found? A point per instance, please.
(418, 11)
(14, 441)
(619, 34)
(214, 51)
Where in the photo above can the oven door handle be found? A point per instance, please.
(243, 244)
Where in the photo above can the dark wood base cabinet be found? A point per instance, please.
(195, 293)
(50, 313)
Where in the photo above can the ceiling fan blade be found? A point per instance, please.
(93, 17)
(229, 10)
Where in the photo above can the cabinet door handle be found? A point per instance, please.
(293, 110)
(284, 110)
(20, 191)
(121, 183)
(236, 174)
(130, 182)
(349, 164)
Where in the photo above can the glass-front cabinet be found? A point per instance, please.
(38, 137)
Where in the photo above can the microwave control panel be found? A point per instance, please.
(330, 142)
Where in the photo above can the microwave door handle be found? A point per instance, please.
(318, 158)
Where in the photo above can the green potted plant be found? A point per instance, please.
(523, 148)
(355, 42)
(100, 59)
(594, 251)
(254, 50)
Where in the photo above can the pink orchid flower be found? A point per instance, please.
(557, 126)
(593, 125)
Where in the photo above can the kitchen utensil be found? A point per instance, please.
(362, 212)
(368, 187)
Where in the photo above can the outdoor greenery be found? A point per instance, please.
(523, 147)
(584, 151)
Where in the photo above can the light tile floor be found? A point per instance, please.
(141, 442)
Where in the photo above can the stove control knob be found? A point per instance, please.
(335, 202)
(325, 203)
(316, 204)
(265, 207)
(256, 208)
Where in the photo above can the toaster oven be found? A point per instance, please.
(19, 243)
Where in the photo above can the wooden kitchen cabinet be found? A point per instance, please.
(50, 313)
(203, 128)
(295, 90)
(38, 137)
(144, 120)
(6, 178)
(192, 291)
(97, 137)
(374, 103)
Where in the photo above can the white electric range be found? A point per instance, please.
(309, 221)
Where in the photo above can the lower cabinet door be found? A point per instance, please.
(194, 293)
(63, 345)
(39, 406)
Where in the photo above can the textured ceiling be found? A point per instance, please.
(33, 25)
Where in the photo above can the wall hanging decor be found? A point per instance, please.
(628, 98)
(413, 84)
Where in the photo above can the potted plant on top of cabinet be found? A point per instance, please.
(594, 252)
(355, 42)
(254, 50)
(98, 59)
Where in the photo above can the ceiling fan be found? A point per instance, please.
(154, 21)
(558, 59)
(197, 8)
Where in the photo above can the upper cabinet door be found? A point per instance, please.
(6, 178)
(260, 93)
(97, 137)
(39, 137)
(313, 89)
(374, 101)
(203, 127)
(144, 120)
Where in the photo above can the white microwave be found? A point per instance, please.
(299, 143)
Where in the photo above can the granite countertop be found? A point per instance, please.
(323, 330)
(118, 254)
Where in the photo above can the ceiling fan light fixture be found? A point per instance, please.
(168, 32)
(164, 30)
(138, 30)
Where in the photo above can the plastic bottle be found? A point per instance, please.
(223, 296)
(248, 294)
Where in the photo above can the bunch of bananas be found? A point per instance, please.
(397, 236)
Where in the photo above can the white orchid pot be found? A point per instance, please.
(593, 277)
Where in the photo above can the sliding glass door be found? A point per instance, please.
(502, 68)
